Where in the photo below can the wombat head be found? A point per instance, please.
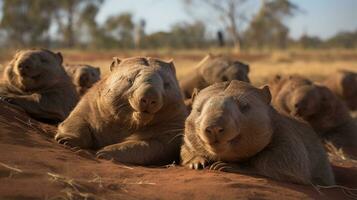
(147, 88)
(231, 120)
(317, 105)
(35, 69)
(83, 75)
(215, 69)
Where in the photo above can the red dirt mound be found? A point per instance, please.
(34, 166)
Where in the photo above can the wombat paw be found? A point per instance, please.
(198, 163)
(6, 99)
(221, 166)
(106, 155)
(66, 141)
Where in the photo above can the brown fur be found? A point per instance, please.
(83, 76)
(344, 85)
(214, 69)
(233, 122)
(36, 81)
(318, 106)
(134, 115)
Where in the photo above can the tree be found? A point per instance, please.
(182, 35)
(87, 24)
(267, 27)
(120, 28)
(69, 12)
(26, 23)
(343, 40)
(231, 14)
(188, 35)
(307, 42)
(139, 33)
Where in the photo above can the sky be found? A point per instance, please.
(323, 18)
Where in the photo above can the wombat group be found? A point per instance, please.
(140, 114)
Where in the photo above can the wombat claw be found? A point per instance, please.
(104, 155)
(5, 99)
(220, 166)
(198, 163)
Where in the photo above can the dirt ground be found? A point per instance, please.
(33, 166)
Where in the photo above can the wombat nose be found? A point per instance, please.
(299, 105)
(147, 101)
(214, 130)
(148, 98)
(83, 80)
(23, 67)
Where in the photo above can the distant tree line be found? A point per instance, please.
(72, 24)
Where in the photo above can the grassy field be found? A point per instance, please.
(313, 64)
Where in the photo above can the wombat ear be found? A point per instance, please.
(97, 69)
(60, 57)
(17, 52)
(246, 68)
(194, 93)
(266, 93)
(172, 65)
(116, 62)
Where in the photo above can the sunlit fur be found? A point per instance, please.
(233, 122)
(214, 69)
(36, 81)
(224, 108)
(318, 106)
(112, 111)
(83, 76)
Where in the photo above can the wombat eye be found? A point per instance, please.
(244, 107)
(224, 78)
(130, 81)
(166, 85)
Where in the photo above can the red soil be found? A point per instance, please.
(34, 166)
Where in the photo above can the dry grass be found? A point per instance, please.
(313, 64)
(72, 188)
(11, 169)
(316, 70)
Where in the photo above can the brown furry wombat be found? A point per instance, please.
(83, 76)
(36, 81)
(214, 69)
(318, 106)
(233, 122)
(134, 115)
(344, 85)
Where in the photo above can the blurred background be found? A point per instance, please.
(261, 32)
(199, 24)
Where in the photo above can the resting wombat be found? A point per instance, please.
(134, 115)
(318, 106)
(344, 85)
(233, 122)
(36, 81)
(214, 69)
(83, 76)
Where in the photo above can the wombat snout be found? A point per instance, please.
(149, 98)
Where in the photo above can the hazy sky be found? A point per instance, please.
(321, 17)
